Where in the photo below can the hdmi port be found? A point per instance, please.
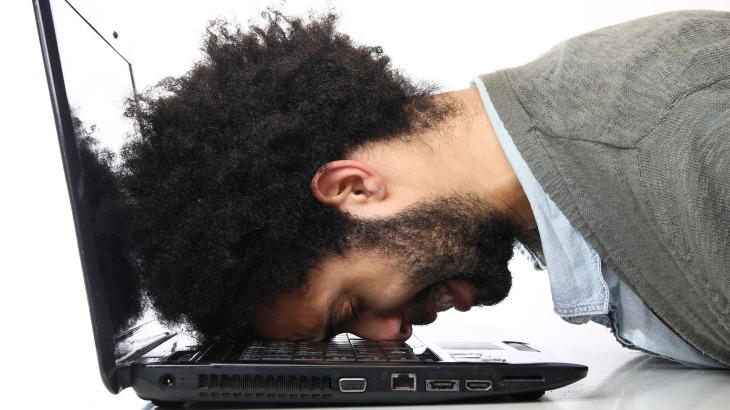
(478, 385)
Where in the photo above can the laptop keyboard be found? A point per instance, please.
(341, 348)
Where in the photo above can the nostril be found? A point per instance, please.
(405, 330)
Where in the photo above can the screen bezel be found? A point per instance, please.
(93, 279)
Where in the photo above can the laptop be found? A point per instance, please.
(89, 77)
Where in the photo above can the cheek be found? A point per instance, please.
(385, 301)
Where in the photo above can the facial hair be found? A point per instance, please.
(459, 237)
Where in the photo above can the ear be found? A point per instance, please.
(348, 185)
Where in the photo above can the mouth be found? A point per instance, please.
(443, 301)
(443, 296)
(462, 300)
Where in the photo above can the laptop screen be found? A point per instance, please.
(92, 86)
(97, 76)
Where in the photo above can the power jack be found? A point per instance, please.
(167, 382)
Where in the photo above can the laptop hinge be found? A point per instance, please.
(146, 348)
(124, 372)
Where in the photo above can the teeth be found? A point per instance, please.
(442, 299)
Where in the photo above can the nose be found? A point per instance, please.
(390, 327)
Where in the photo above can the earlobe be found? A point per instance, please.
(348, 184)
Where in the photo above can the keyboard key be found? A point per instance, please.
(369, 351)
(392, 344)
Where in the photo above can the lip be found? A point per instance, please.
(462, 301)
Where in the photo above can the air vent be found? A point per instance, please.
(523, 347)
(267, 383)
(269, 396)
(215, 382)
(225, 382)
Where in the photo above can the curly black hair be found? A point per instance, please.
(107, 205)
(221, 213)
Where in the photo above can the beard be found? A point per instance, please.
(459, 237)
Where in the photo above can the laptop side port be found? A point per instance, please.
(442, 385)
(403, 382)
(522, 377)
(353, 384)
(167, 382)
(478, 385)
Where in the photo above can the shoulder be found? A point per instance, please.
(612, 85)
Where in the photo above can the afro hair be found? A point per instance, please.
(219, 216)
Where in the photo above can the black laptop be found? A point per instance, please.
(89, 78)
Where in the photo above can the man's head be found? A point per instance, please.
(225, 220)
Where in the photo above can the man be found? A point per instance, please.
(295, 186)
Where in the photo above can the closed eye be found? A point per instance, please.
(356, 314)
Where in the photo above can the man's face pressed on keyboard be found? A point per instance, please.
(400, 272)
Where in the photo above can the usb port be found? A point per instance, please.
(442, 385)
(403, 382)
(478, 385)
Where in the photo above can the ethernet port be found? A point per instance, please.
(403, 382)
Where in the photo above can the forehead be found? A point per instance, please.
(303, 314)
(300, 315)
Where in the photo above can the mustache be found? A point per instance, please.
(421, 305)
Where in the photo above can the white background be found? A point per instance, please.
(43, 304)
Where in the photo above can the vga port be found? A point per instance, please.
(353, 384)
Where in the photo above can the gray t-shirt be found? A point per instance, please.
(627, 129)
(583, 287)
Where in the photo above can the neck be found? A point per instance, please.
(462, 155)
